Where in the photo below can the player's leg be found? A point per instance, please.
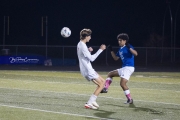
(125, 74)
(109, 79)
(99, 81)
(123, 84)
(100, 85)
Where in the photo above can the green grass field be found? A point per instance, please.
(55, 95)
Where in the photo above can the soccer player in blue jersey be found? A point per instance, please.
(126, 53)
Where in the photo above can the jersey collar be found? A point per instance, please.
(123, 46)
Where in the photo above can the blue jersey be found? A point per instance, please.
(126, 56)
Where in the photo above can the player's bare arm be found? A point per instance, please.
(114, 55)
(134, 52)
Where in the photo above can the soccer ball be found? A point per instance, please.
(65, 32)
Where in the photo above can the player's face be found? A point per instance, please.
(121, 42)
(88, 38)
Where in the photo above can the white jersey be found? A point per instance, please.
(85, 59)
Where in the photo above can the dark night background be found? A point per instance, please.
(141, 19)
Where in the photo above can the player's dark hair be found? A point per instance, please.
(84, 33)
(123, 36)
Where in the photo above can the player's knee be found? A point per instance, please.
(101, 85)
(110, 74)
(102, 82)
(122, 85)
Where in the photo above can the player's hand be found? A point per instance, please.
(128, 45)
(103, 47)
(90, 49)
(110, 47)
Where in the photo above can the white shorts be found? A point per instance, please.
(125, 72)
(91, 75)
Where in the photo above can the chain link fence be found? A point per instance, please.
(147, 56)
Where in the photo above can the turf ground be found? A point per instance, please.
(58, 95)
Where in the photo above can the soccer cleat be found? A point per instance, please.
(104, 90)
(95, 104)
(90, 106)
(129, 101)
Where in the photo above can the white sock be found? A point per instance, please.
(126, 92)
(109, 78)
(92, 99)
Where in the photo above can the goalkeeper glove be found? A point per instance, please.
(110, 47)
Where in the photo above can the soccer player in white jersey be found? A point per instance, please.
(126, 53)
(86, 69)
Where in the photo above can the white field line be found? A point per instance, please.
(30, 81)
(5, 72)
(88, 96)
(50, 71)
(47, 76)
(85, 79)
(132, 81)
(156, 82)
(47, 111)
